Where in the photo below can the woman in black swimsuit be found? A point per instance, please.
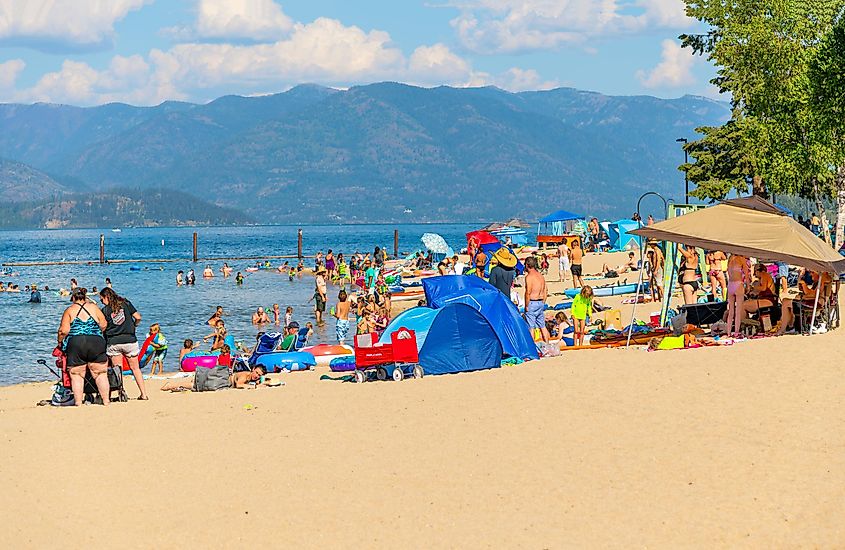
(80, 336)
(688, 275)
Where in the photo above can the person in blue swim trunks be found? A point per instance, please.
(535, 298)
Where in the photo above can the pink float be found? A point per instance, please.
(191, 363)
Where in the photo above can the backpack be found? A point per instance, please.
(213, 379)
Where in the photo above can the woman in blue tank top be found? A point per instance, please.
(80, 336)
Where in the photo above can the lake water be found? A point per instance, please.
(28, 331)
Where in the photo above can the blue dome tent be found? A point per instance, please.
(620, 237)
(493, 305)
(452, 339)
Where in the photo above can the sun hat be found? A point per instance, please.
(505, 257)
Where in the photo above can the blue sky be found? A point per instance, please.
(143, 52)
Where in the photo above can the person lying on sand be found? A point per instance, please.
(239, 380)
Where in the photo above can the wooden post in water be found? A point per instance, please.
(195, 246)
(299, 243)
(396, 244)
(102, 249)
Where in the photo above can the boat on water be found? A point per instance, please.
(115, 230)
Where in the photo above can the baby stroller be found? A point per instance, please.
(63, 395)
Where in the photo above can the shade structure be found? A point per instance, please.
(452, 339)
(517, 222)
(750, 226)
(561, 216)
(493, 305)
(436, 243)
(620, 235)
(482, 237)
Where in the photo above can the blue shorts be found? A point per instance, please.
(535, 314)
(783, 269)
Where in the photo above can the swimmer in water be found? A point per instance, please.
(207, 273)
(226, 270)
(239, 279)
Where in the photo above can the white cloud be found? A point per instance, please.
(250, 19)
(507, 26)
(674, 69)
(9, 72)
(437, 63)
(520, 80)
(324, 51)
(61, 24)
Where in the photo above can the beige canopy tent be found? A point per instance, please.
(750, 226)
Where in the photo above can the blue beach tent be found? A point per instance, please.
(452, 339)
(620, 237)
(558, 223)
(493, 305)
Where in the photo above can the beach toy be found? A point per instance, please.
(324, 353)
(342, 364)
(286, 360)
(190, 363)
(614, 290)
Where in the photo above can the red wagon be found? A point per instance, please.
(397, 359)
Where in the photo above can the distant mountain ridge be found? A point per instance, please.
(314, 154)
(117, 209)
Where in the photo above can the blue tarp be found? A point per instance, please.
(494, 306)
(452, 339)
(620, 238)
(561, 216)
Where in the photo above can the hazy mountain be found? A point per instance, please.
(117, 209)
(20, 182)
(370, 152)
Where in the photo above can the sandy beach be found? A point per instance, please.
(738, 446)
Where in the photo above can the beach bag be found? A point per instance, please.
(62, 396)
(213, 379)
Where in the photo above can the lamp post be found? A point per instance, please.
(686, 174)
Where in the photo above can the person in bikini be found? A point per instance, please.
(716, 274)
(738, 276)
(762, 292)
(688, 276)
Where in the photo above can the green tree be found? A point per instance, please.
(762, 51)
(827, 89)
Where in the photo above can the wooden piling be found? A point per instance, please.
(102, 249)
(396, 244)
(299, 243)
(195, 247)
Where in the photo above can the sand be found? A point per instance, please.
(741, 446)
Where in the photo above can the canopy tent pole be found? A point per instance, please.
(642, 264)
(636, 299)
(816, 303)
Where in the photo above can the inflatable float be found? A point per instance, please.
(278, 361)
(343, 364)
(600, 291)
(190, 363)
(325, 353)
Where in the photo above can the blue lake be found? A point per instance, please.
(28, 331)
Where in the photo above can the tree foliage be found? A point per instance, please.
(763, 50)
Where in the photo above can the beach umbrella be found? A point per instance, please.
(517, 222)
(435, 243)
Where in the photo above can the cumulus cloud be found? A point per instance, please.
(62, 24)
(247, 19)
(324, 51)
(9, 72)
(508, 26)
(674, 69)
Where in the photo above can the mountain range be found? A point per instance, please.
(367, 154)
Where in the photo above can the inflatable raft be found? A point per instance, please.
(190, 363)
(614, 290)
(325, 353)
(278, 361)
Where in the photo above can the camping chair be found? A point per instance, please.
(301, 339)
(827, 312)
